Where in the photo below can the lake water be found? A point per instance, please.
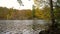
(19, 26)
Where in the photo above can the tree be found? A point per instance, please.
(57, 10)
(10, 12)
(20, 2)
(43, 13)
(52, 13)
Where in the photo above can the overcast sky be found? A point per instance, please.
(15, 4)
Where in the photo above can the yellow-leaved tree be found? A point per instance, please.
(10, 12)
(42, 13)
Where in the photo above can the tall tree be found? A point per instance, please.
(52, 13)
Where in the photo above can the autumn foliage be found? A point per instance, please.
(14, 14)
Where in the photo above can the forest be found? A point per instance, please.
(14, 14)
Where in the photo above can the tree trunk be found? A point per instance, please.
(52, 13)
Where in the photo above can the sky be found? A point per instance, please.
(14, 4)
